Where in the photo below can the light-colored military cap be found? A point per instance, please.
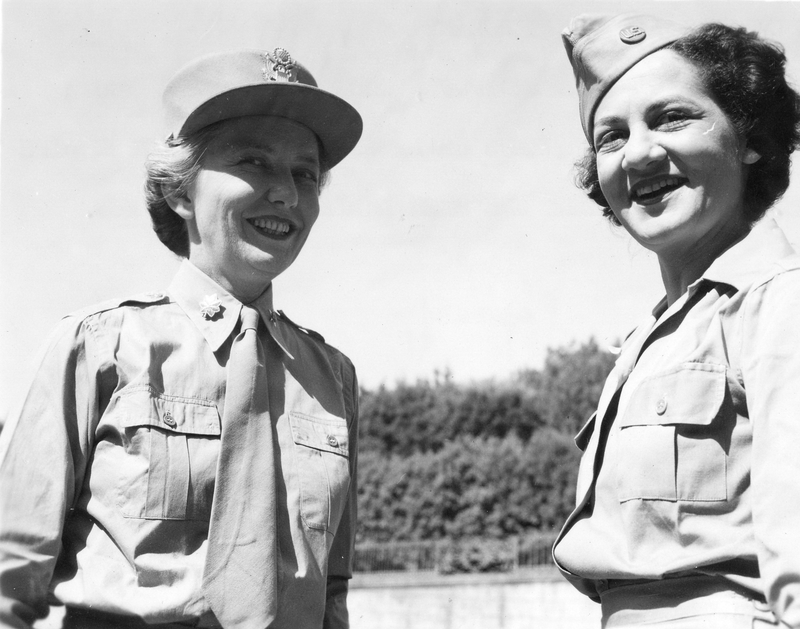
(601, 48)
(259, 82)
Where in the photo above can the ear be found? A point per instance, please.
(179, 201)
(750, 156)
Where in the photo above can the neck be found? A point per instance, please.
(245, 289)
(245, 294)
(681, 268)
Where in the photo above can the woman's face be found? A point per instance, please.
(253, 203)
(670, 163)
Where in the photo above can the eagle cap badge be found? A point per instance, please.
(279, 66)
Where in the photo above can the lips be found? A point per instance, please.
(272, 227)
(653, 189)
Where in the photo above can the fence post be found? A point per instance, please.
(515, 548)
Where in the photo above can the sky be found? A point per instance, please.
(452, 239)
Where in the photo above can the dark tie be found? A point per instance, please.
(240, 579)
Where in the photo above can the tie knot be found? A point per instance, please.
(250, 318)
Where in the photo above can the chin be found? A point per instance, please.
(270, 266)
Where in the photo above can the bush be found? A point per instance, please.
(491, 461)
(489, 488)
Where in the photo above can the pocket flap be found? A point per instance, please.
(691, 394)
(169, 412)
(328, 434)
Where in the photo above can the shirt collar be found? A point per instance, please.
(273, 319)
(745, 261)
(190, 286)
(742, 263)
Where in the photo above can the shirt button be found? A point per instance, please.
(661, 406)
(169, 420)
(333, 442)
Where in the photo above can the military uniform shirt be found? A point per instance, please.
(692, 466)
(108, 465)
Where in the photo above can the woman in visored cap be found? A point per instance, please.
(688, 499)
(188, 458)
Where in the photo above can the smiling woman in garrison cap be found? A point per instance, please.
(188, 457)
(688, 500)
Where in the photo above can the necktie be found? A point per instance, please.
(240, 579)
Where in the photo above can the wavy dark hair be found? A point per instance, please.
(746, 76)
(173, 166)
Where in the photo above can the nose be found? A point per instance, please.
(281, 190)
(642, 150)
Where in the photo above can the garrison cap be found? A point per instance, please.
(601, 48)
(259, 82)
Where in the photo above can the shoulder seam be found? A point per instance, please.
(146, 299)
(776, 269)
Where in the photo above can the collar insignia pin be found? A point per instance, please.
(210, 305)
(279, 66)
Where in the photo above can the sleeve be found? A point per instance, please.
(340, 558)
(43, 452)
(771, 371)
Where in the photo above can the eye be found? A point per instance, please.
(610, 140)
(671, 119)
(306, 174)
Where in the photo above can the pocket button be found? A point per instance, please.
(169, 420)
(661, 406)
(333, 442)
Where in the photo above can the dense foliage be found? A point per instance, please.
(445, 461)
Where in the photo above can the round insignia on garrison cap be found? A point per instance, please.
(632, 34)
(601, 48)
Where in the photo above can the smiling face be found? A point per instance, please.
(669, 162)
(253, 203)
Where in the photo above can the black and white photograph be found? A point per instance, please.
(438, 314)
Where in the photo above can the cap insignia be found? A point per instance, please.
(632, 34)
(279, 66)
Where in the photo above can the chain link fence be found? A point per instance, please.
(456, 556)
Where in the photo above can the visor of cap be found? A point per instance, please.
(601, 48)
(233, 84)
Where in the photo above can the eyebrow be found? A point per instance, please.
(662, 103)
(608, 121)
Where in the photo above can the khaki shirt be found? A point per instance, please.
(692, 461)
(108, 466)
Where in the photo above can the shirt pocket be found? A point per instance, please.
(171, 445)
(670, 446)
(321, 448)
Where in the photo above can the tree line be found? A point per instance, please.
(439, 460)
